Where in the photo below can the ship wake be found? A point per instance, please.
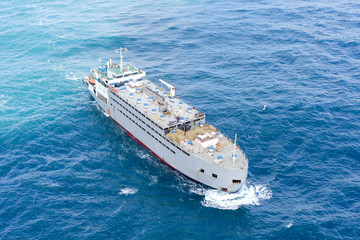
(251, 194)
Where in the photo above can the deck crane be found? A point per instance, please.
(171, 88)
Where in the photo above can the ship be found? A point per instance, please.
(175, 132)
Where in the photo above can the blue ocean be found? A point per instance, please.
(283, 75)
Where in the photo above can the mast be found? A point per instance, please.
(121, 56)
(234, 151)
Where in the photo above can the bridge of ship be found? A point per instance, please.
(118, 73)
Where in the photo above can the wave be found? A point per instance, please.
(247, 195)
(128, 191)
(4, 99)
(154, 180)
(71, 76)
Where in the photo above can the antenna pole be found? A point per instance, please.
(121, 57)
(234, 151)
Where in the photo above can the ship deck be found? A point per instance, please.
(226, 151)
(139, 94)
(224, 148)
(144, 95)
(119, 71)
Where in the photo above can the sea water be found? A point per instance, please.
(283, 75)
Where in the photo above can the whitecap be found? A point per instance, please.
(264, 108)
(142, 154)
(154, 180)
(247, 195)
(3, 100)
(54, 185)
(71, 76)
(289, 225)
(58, 68)
(128, 191)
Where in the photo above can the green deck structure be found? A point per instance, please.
(118, 71)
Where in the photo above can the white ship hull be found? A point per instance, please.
(146, 132)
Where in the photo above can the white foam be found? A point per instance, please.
(54, 185)
(264, 108)
(289, 225)
(128, 191)
(3, 100)
(71, 76)
(154, 180)
(247, 195)
(142, 154)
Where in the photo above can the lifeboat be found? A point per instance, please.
(113, 89)
(91, 80)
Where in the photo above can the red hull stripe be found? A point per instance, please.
(153, 152)
(144, 145)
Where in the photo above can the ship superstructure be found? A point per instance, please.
(173, 130)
